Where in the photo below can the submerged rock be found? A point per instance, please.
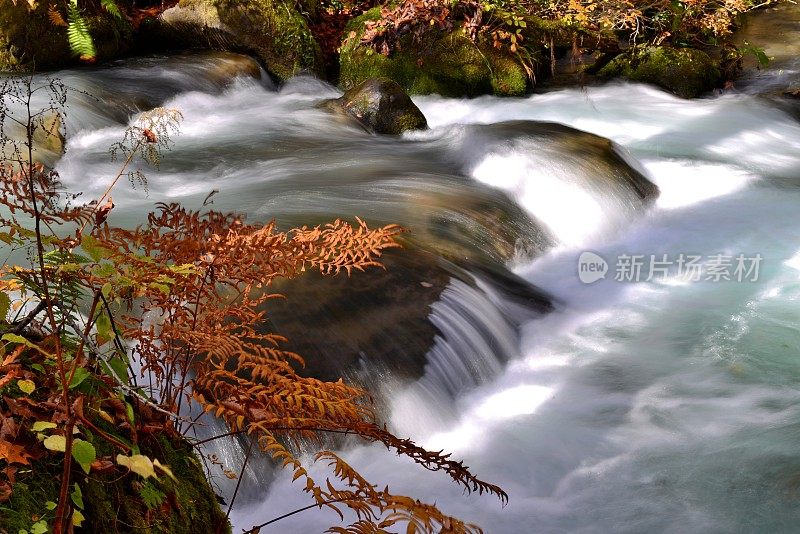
(687, 72)
(378, 323)
(442, 62)
(380, 106)
(274, 31)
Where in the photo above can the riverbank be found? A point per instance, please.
(430, 47)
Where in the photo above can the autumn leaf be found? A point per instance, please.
(56, 443)
(13, 454)
(102, 212)
(138, 463)
(26, 386)
(149, 136)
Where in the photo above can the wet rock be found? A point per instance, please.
(686, 72)
(378, 321)
(381, 106)
(273, 31)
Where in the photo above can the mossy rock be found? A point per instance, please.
(28, 39)
(274, 31)
(686, 72)
(116, 504)
(381, 106)
(443, 62)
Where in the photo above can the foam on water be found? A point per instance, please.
(666, 406)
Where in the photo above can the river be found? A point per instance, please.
(652, 404)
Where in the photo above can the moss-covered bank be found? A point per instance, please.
(442, 62)
(116, 503)
(273, 31)
(29, 39)
(687, 72)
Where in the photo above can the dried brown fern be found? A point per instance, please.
(214, 273)
(187, 290)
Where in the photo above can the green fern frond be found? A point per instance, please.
(112, 8)
(80, 40)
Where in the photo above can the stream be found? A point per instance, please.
(638, 402)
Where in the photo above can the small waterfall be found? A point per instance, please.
(646, 407)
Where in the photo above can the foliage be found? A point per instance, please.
(526, 28)
(183, 296)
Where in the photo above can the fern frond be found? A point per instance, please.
(112, 8)
(55, 16)
(80, 40)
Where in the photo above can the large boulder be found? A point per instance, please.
(442, 62)
(274, 31)
(381, 106)
(686, 72)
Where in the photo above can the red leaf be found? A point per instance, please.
(150, 136)
(13, 454)
(102, 212)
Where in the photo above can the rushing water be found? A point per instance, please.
(666, 405)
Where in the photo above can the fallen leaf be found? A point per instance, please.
(26, 386)
(56, 443)
(13, 454)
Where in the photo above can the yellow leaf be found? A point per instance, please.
(26, 386)
(56, 443)
(138, 463)
(77, 518)
(165, 469)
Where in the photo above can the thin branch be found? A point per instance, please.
(254, 529)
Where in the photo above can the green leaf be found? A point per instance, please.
(116, 367)
(41, 426)
(5, 305)
(104, 270)
(151, 496)
(106, 290)
(56, 443)
(50, 505)
(37, 367)
(80, 375)
(129, 411)
(84, 453)
(92, 247)
(26, 386)
(164, 288)
(77, 496)
(104, 331)
(40, 527)
(14, 338)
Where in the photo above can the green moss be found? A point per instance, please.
(687, 72)
(446, 63)
(116, 506)
(113, 503)
(27, 502)
(275, 31)
(27, 37)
